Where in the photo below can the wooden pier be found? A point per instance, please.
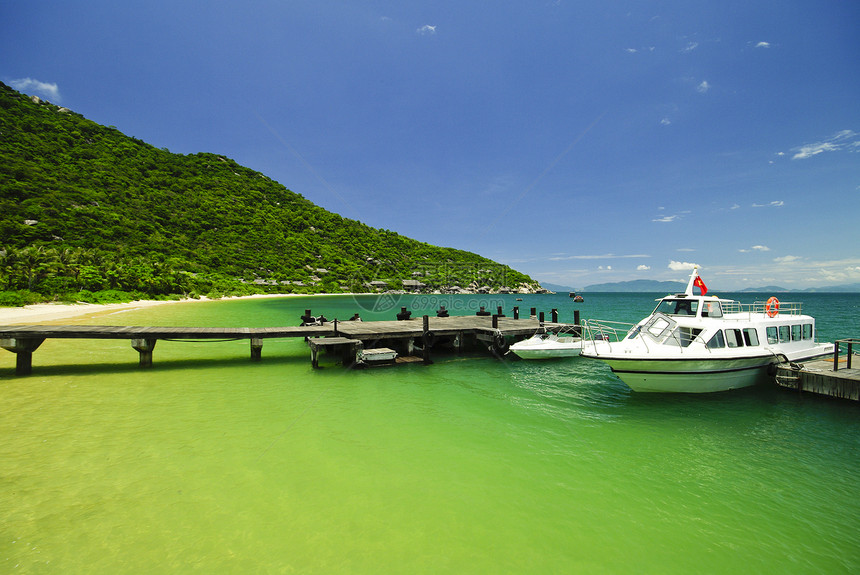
(346, 337)
(834, 377)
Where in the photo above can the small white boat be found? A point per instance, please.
(548, 346)
(699, 343)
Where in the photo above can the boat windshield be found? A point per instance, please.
(677, 306)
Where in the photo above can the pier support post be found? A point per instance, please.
(577, 331)
(23, 349)
(427, 339)
(144, 347)
(256, 348)
(554, 315)
(516, 312)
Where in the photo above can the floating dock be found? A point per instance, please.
(357, 342)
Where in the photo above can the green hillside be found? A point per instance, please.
(85, 208)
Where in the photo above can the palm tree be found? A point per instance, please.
(33, 265)
(8, 261)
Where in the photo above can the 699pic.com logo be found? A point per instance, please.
(373, 286)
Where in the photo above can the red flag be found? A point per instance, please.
(700, 284)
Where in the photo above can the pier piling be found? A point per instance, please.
(144, 347)
(257, 348)
(23, 349)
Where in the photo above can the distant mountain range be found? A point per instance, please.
(637, 286)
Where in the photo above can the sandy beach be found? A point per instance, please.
(53, 312)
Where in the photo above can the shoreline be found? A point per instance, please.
(50, 312)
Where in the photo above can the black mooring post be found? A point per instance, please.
(541, 318)
(495, 322)
(533, 312)
(554, 315)
(516, 312)
(577, 331)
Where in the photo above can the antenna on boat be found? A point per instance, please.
(693, 277)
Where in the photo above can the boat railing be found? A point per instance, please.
(603, 330)
(760, 307)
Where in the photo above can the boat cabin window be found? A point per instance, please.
(718, 341)
(771, 335)
(795, 332)
(683, 336)
(807, 331)
(712, 309)
(658, 326)
(784, 333)
(678, 307)
(734, 338)
(750, 336)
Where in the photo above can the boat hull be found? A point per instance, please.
(690, 375)
(535, 348)
(535, 353)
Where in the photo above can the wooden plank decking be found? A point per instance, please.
(23, 340)
(819, 377)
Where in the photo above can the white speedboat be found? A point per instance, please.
(548, 346)
(699, 343)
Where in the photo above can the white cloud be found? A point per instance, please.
(680, 266)
(786, 259)
(763, 45)
(29, 85)
(426, 29)
(665, 219)
(665, 122)
(838, 141)
(643, 268)
(703, 87)
(691, 46)
(755, 249)
(773, 204)
(632, 50)
(734, 207)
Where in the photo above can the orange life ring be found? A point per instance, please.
(772, 307)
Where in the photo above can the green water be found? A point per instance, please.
(210, 463)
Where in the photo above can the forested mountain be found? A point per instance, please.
(85, 208)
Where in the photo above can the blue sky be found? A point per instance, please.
(579, 142)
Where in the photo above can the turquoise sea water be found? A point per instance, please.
(210, 463)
